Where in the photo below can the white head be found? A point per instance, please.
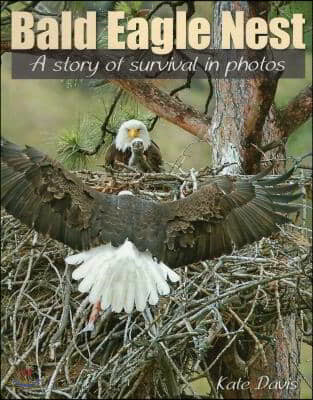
(129, 131)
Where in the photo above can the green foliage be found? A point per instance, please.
(77, 7)
(300, 142)
(88, 134)
(130, 8)
(67, 149)
(286, 9)
(5, 32)
(126, 110)
(72, 141)
(102, 38)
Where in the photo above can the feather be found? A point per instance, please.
(85, 255)
(142, 291)
(122, 277)
(149, 283)
(75, 259)
(169, 273)
(289, 188)
(130, 292)
(286, 198)
(279, 179)
(161, 284)
(43, 195)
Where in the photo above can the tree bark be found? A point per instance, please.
(237, 136)
(281, 123)
(235, 377)
(166, 106)
(241, 104)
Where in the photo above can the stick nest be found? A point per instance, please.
(235, 299)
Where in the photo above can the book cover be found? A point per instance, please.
(156, 162)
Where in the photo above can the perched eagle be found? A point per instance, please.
(120, 150)
(129, 245)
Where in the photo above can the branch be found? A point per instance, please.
(298, 111)
(167, 107)
(281, 123)
(161, 103)
(104, 129)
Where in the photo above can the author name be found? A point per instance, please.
(263, 382)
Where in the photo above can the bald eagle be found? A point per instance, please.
(129, 245)
(138, 160)
(120, 150)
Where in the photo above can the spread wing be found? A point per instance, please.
(225, 213)
(42, 194)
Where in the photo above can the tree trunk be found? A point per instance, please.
(241, 104)
(241, 375)
(238, 132)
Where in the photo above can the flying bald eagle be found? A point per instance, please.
(129, 245)
(120, 150)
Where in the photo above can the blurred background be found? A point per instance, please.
(39, 112)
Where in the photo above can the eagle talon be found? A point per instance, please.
(92, 318)
(95, 312)
(88, 328)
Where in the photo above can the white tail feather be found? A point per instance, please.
(75, 259)
(85, 255)
(121, 277)
(142, 293)
(169, 273)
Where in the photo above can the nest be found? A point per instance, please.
(234, 299)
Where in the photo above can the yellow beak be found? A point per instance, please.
(133, 133)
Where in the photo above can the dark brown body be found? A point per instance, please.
(152, 154)
(225, 212)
